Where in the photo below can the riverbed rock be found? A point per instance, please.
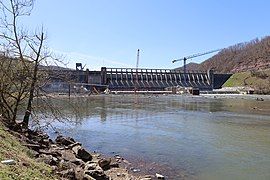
(78, 162)
(97, 173)
(52, 152)
(68, 155)
(87, 177)
(159, 176)
(104, 163)
(48, 159)
(79, 173)
(90, 166)
(46, 142)
(64, 140)
(67, 165)
(81, 153)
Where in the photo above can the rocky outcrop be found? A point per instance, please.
(68, 158)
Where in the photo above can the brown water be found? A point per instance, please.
(203, 138)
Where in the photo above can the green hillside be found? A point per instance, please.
(26, 167)
(259, 80)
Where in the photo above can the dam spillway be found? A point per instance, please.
(130, 79)
(155, 79)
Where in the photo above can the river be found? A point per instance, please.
(181, 137)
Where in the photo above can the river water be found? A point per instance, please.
(190, 137)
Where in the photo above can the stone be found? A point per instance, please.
(67, 165)
(64, 140)
(35, 147)
(136, 170)
(68, 174)
(79, 173)
(125, 161)
(87, 177)
(147, 177)
(77, 161)
(104, 163)
(8, 162)
(114, 165)
(68, 155)
(46, 142)
(48, 159)
(90, 166)
(159, 176)
(33, 153)
(73, 145)
(97, 174)
(52, 152)
(54, 168)
(81, 153)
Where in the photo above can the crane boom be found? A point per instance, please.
(193, 56)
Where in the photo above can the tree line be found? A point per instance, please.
(252, 55)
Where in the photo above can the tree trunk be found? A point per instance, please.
(31, 97)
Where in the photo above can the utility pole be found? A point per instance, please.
(138, 58)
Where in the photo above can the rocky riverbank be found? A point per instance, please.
(70, 160)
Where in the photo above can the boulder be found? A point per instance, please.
(97, 174)
(64, 140)
(48, 159)
(104, 163)
(90, 166)
(81, 153)
(68, 155)
(114, 165)
(66, 165)
(77, 161)
(45, 142)
(52, 152)
(79, 173)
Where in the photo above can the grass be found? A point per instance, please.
(26, 167)
(237, 79)
(259, 80)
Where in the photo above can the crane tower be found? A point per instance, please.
(193, 56)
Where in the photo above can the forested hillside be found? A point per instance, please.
(253, 55)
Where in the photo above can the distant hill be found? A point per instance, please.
(190, 67)
(253, 55)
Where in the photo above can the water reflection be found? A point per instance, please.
(211, 138)
(131, 105)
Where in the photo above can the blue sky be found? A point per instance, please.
(109, 32)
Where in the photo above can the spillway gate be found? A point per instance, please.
(154, 79)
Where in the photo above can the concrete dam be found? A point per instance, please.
(128, 79)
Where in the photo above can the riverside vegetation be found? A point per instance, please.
(36, 156)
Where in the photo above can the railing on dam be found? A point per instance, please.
(153, 79)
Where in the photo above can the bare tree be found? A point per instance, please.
(28, 49)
